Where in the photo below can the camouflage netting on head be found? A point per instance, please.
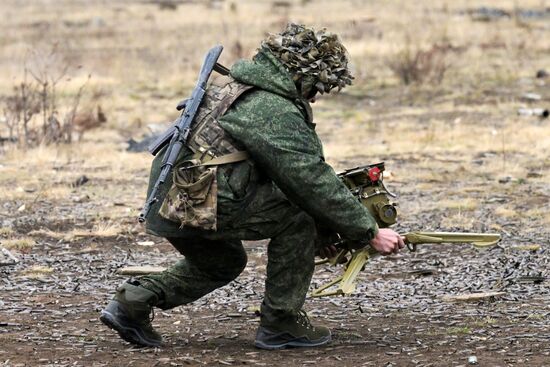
(315, 58)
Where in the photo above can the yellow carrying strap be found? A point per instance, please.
(238, 156)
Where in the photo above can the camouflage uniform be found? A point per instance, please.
(284, 192)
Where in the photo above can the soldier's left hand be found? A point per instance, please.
(387, 241)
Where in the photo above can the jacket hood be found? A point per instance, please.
(265, 72)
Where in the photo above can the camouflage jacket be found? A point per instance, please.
(274, 123)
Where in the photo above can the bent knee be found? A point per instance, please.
(226, 268)
(238, 264)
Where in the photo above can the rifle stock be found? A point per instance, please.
(346, 283)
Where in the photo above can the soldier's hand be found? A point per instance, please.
(328, 251)
(387, 241)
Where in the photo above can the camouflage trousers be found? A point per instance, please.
(213, 259)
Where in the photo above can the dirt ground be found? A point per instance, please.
(458, 155)
(395, 318)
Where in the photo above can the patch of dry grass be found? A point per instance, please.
(458, 220)
(99, 230)
(56, 193)
(6, 231)
(37, 272)
(539, 214)
(47, 191)
(533, 247)
(46, 233)
(462, 205)
(24, 244)
(505, 212)
(39, 156)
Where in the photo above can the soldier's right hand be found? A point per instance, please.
(387, 241)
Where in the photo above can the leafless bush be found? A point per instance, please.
(71, 117)
(237, 50)
(421, 65)
(31, 114)
(19, 109)
(281, 4)
(87, 120)
(167, 4)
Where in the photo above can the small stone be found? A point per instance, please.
(531, 96)
(80, 199)
(472, 360)
(533, 174)
(80, 181)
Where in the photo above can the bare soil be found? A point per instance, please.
(396, 317)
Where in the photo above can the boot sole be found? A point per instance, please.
(130, 334)
(296, 343)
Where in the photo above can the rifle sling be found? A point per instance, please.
(234, 157)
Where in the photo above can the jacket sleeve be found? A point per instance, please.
(290, 153)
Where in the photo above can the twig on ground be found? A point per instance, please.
(140, 270)
(10, 256)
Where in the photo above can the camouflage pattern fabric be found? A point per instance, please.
(214, 259)
(316, 59)
(192, 198)
(283, 192)
(207, 136)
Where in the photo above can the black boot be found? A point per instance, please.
(128, 314)
(291, 332)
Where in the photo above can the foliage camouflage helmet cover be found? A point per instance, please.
(317, 59)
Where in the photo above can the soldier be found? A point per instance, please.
(267, 179)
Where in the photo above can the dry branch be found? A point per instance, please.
(140, 270)
(467, 297)
(9, 256)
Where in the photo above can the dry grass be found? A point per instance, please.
(37, 272)
(458, 220)
(6, 232)
(539, 214)
(143, 68)
(159, 52)
(533, 247)
(505, 212)
(421, 65)
(24, 244)
(464, 205)
(47, 233)
(100, 230)
(130, 81)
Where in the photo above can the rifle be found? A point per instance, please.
(366, 182)
(178, 133)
